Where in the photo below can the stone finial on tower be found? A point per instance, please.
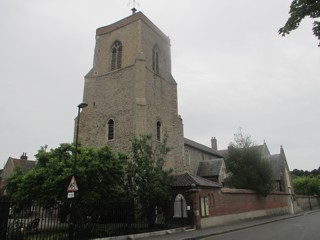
(214, 144)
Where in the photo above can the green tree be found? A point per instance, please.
(299, 173)
(242, 140)
(299, 9)
(148, 180)
(99, 175)
(246, 168)
(308, 185)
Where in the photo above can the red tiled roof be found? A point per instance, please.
(187, 180)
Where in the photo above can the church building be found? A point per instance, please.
(130, 91)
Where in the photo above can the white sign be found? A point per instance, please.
(70, 194)
(73, 187)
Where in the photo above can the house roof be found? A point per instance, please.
(223, 152)
(263, 149)
(188, 180)
(201, 147)
(276, 161)
(210, 168)
(276, 164)
(24, 164)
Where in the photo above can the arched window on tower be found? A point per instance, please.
(110, 130)
(116, 59)
(155, 59)
(159, 131)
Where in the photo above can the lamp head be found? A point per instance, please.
(82, 105)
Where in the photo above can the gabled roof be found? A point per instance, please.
(188, 180)
(201, 147)
(210, 168)
(263, 149)
(224, 152)
(23, 164)
(276, 164)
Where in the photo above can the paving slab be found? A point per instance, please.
(193, 234)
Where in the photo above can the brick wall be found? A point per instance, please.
(231, 201)
(231, 205)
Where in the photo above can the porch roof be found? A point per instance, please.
(189, 180)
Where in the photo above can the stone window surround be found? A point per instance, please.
(116, 55)
(110, 127)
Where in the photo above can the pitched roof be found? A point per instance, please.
(187, 180)
(201, 147)
(24, 164)
(224, 152)
(263, 149)
(209, 168)
(276, 164)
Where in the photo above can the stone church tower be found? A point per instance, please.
(130, 89)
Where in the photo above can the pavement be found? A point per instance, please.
(193, 234)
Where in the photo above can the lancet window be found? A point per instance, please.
(116, 59)
(155, 59)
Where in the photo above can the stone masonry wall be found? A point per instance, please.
(306, 202)
(192, 157)
(134, 96)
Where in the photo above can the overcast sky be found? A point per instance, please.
(231, 66)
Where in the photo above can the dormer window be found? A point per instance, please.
(116, 59)
(155, 59)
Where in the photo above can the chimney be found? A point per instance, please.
(214, 145)
(24, 156)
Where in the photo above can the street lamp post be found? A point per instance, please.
(80, 106)
(72, 222)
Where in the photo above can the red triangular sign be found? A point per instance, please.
(73, 187)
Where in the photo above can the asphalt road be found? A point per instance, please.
(305, 227)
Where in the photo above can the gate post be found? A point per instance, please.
(182, 209)
(194, 195)
(4, 216)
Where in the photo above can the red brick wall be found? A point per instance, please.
(225, 201)
(232, 201)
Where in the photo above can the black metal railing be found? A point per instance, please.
(38, 221)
